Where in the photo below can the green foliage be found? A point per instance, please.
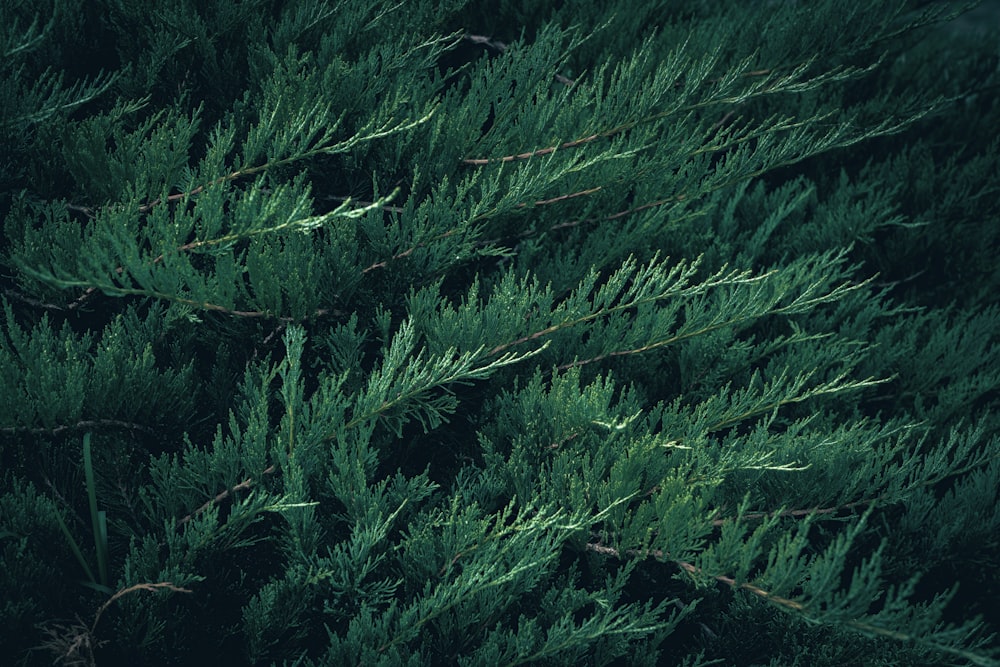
(498, 333)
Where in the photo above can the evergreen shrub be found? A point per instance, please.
(492, 333)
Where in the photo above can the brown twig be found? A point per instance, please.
(14, 294)
(409, 251)
(74, 644)
(152, 588)
(79, 426)
(222, 495)
(606, 133)
(798, 514)
(695, 571)
(451, 232)
(538, 152)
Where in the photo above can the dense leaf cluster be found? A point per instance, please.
(495, 333)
